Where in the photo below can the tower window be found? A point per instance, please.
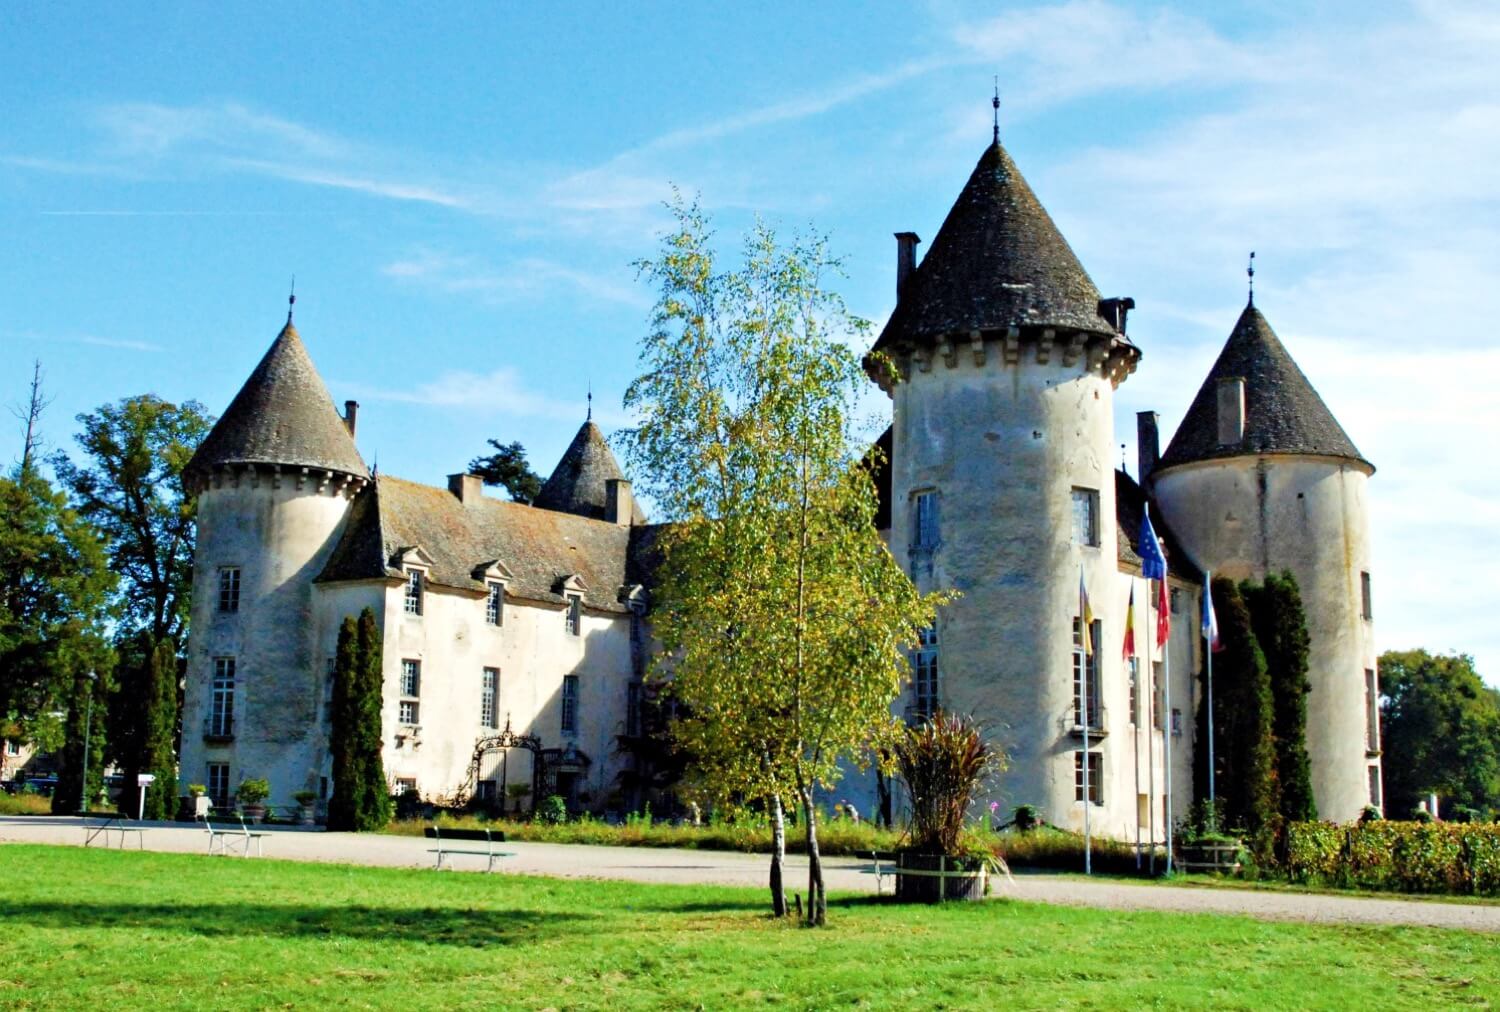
(221, 700)
(574, 615)
(414, 592)
(1086, 664)
(1376, 795)
(1095, 778)
(924, 674)
(229, 588)
(1086, 517)
(1372, 715)
(570, 704)
(1366, 605)
(494, 604)
(1135, 692)
(924, 521)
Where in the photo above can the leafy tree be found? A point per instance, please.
(507, 468)
(361, 800)
(1243, 718)
(159, 724)
(1280, 628)
(784, 619)
(1440, 731)
(83, 719)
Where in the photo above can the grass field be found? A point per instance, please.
(99, 929)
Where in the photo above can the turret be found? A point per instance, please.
(588, 482)
(274, 480)
(1261, 478)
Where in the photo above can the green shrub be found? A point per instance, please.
(553, 810)
(25, 804)
(1437, 857)
(253, 791)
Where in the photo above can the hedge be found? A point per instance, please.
(1441, 857)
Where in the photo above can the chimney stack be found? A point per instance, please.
(619, 503)
(1147, 445)
(1231, 411)
(466, 488)
(906, 258)
(351, 414)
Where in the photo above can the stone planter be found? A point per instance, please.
(306, 815)
(253, 813)
(191, 807)
(934, 878)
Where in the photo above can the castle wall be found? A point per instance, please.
(1244, 517)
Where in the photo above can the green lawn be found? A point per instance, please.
(97, 929)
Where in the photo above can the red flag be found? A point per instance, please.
(1163, 615)
(1129, 651)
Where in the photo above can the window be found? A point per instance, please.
(489, 692)
(924, 521)
(1096, 777)
(1156, 704)
(1176, 722)
(229, 588)
(414, 592)
(570, 704)
(405, 785)
(1175, 598)
(487, 793)
(221, 699)
(1135, 693)
(1364, 596)
(924, 674)
(574, 615)
(1085, 517)
(411, 688)
(218, 784)
(494, 605)
(410, 711)
(12, 747)
(1376, 798)
(1372, 713)
(1085, 663)
(633, 709)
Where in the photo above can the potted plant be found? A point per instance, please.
(944, 763)
(251, 795)
(307, 800)
(194, 804)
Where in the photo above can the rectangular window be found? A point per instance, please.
(633, 709)
(1096, 777)
(1366, 604)
(218, 784)
(494, 605)
(410, 712)
(1176, 723)
(221, 700)
(1135, 691)
(489, 692)
(574, 615)
(924, 674)
(414, 592)
(1376, 795)
(411, 678)
(570, 704)
(1085, 663)
(1175, 599)
(1372, 712)
(229, 588)
(487, 793)
(1156, 698)
(12, 747)
(1085, 517)
(924, 521)
(406, 785)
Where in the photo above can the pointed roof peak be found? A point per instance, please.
(577, 484)
(1283, 412)
(282, 415)
(998, 261)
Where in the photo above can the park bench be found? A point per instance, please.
(101, 824)
(447, 837)
(226, 832)
(885, 865)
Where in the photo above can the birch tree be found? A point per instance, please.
(784, 619)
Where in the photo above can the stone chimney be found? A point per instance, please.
(906, 258)
(1114, 312)
(466, 488)
(1147, 445)
(1231, 410)
(351, 415)
(619, 503)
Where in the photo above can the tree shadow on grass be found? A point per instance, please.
(430, 925)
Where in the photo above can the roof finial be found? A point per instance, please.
(291, 300)
(1250, 273)
(995, 102)
(590, 417)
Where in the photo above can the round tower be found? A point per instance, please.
(1261, 478)
(274, 480)
(1001, 361)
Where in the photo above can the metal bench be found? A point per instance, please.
(445, 839)
(880, 872)
(101, 824)
(227, 832)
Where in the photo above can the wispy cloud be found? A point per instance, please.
(527, 277)
(502, 391)
(120, 343)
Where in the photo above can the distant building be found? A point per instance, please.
(999, 484)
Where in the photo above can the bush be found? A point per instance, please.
(1025, 818)
(253, 791)
(1058, 850)
(553, 810)
(25, 804)
(1441, 857)
(943, 763)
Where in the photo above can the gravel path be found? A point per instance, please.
(649, 864)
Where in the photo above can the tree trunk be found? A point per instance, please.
(778, 859)
(817, 901)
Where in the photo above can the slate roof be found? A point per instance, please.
(1283, 413)
(1130, 504)
(577, 484)
(540, 548)
(282, 415)
(998, 261)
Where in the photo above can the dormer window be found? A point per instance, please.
(494, 604)
(414, 591)
(574, 615)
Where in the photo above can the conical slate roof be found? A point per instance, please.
(1283, 413)
(577, 484)
(997, 262)
(282, 415)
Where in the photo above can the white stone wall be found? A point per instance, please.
(1244, 517)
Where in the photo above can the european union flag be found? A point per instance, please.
(1153, 562)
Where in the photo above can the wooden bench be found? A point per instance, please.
(97, 824)
(228, 831)
(446, 837)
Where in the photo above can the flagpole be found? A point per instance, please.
(1150, 731)
(1208, 653)
(1166, 667)
(1083, 695)
(1135, 720)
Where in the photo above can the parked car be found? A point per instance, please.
(43, 786)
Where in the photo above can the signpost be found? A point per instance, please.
(143, 781)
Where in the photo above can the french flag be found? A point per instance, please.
(1210, 620)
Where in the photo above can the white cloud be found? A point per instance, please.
(527, 277)
(502, 391)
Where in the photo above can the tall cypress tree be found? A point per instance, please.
(1245, 750)
(346, 771)
(373, 800)
(1280, 627)
(159, 726)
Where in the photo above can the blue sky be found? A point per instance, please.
(461, 191)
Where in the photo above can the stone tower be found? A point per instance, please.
(1002, 483)
(1259, 478)
(274, 481)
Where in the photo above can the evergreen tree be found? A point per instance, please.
(1280, 628)
(341, 805)
(159, 756)
(1244, 747)
(361, 801)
